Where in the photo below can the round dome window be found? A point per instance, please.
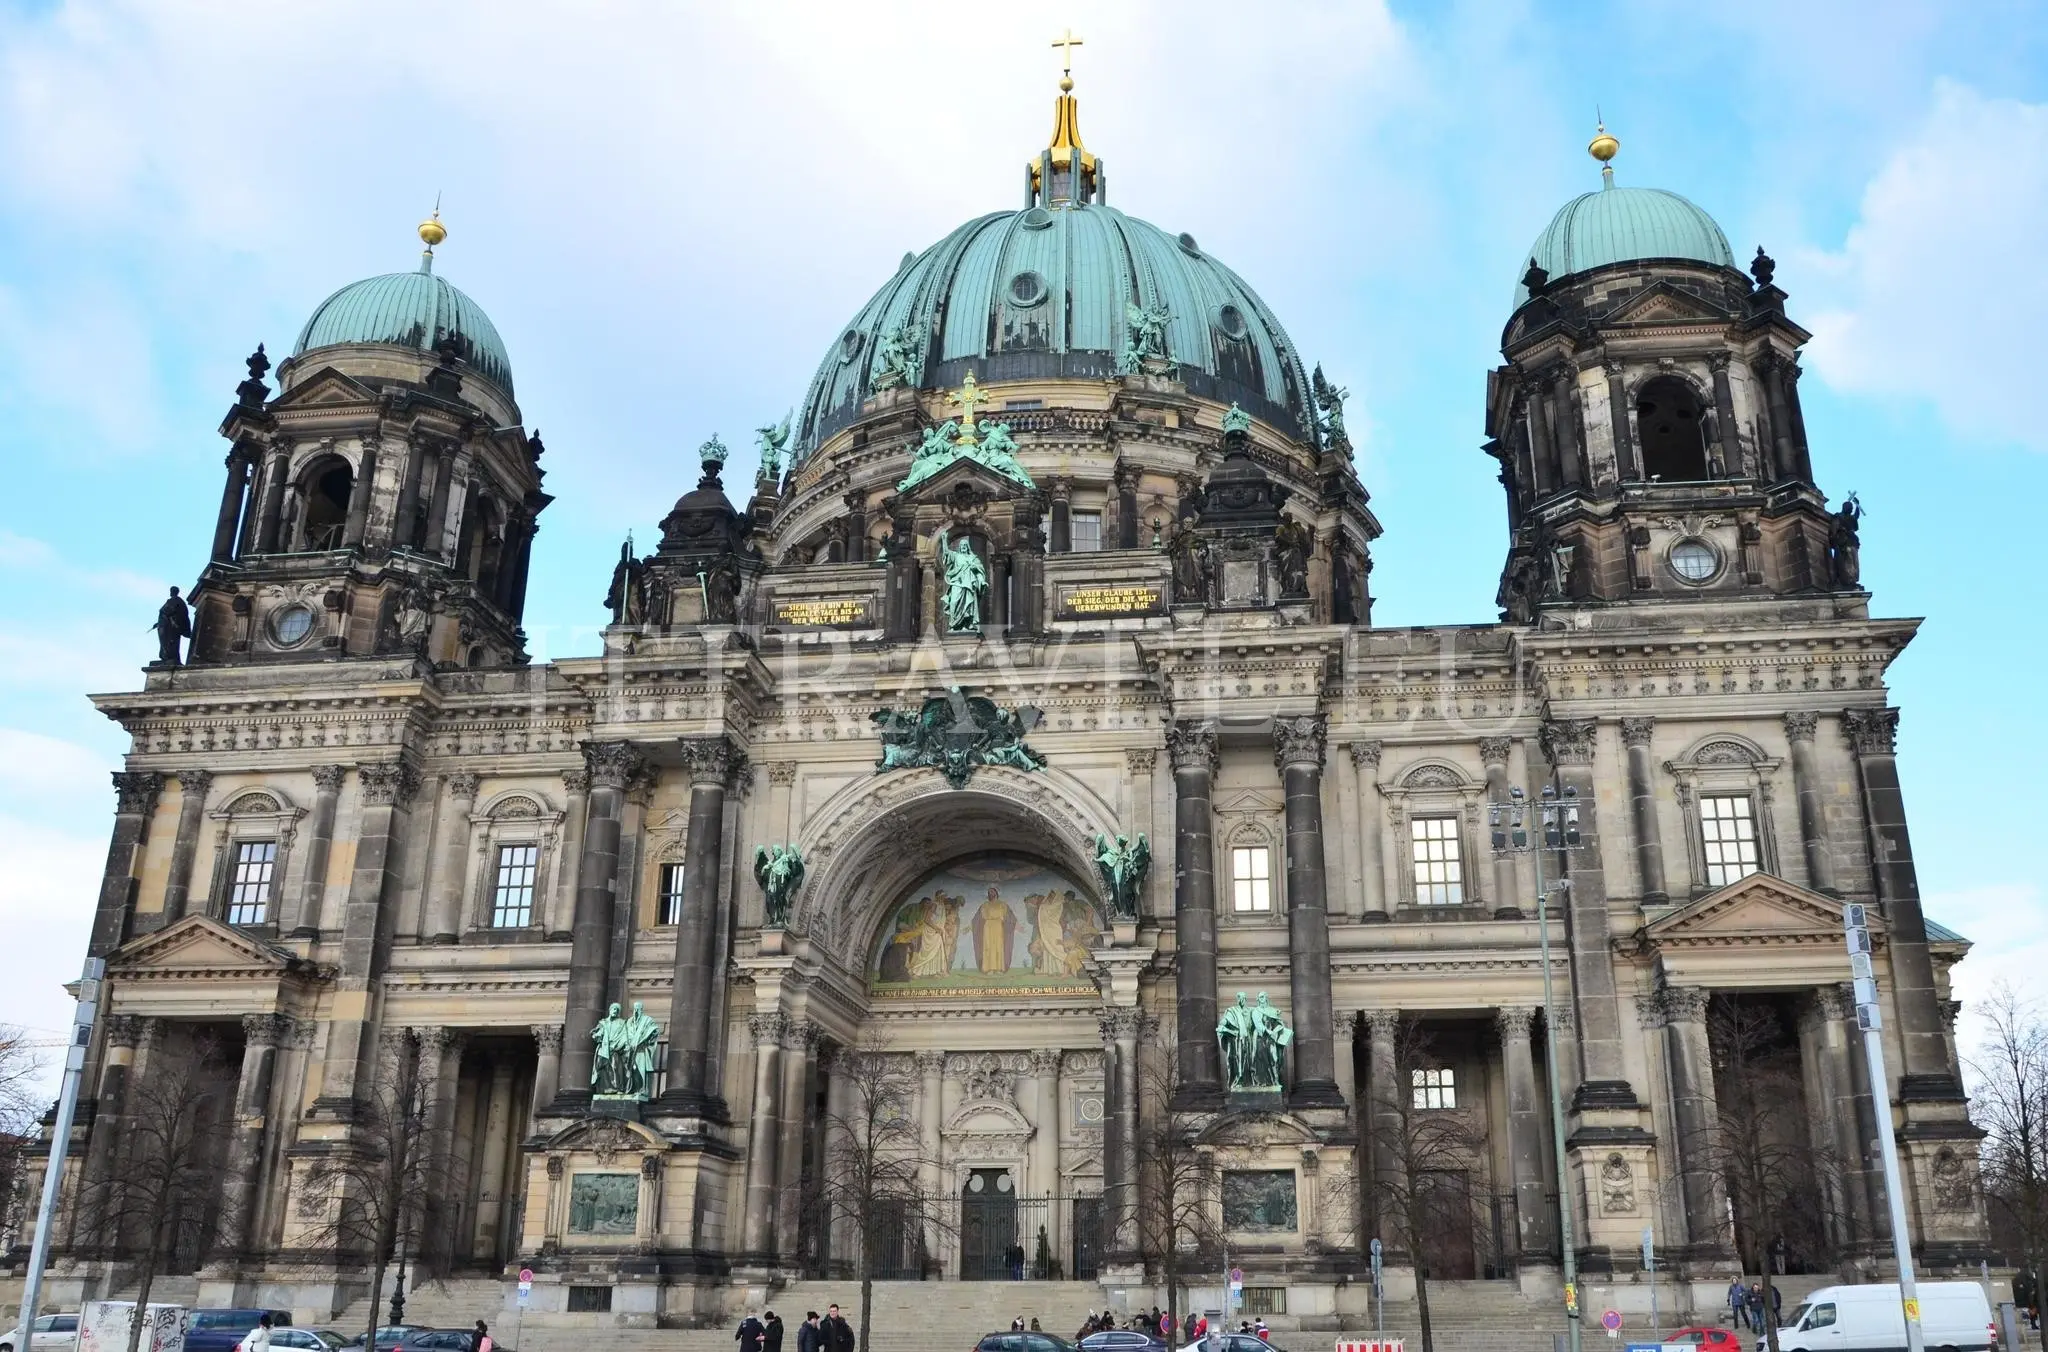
(1027, 289)
(1231, 320)
(1037, 218)
(849, 345)
(1695, 561)
(291, 625)
(1187, 242)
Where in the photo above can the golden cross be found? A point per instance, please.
(967, 398)
(1067, 42)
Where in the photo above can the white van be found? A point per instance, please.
(1954, 1317)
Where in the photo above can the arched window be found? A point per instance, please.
(325, 489)
(1672, 424)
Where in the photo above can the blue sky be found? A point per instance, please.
(670, 210)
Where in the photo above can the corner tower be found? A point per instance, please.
(1647, 418)
(385, 500)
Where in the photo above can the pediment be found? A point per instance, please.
(986, 1117)
(965, 475)
(198, 946)
(606, 1137)
(1759, 909)
(1665, 304)
(325, 386)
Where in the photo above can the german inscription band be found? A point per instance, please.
(1147, 599)
(852, 612)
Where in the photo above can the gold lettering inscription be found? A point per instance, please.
(822, 612)
(1111, 600)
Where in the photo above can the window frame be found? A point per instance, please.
(1721, 872)
(1458, 884)
(1434, 786)
(252, 814)
(515, 816)
(1251, 847)
(265, 904)
(1437, 1083)
(1727, 765)
(506, 879)
(663, 868)
(1075, 515)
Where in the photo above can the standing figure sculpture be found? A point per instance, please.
(1123, 864)
(627, 599)
(772, 440)
(623, 1067)
(966, 580)
(1145, 340)
(1252, 1039)
(1844, 543)
(173, 622)
(780, 871)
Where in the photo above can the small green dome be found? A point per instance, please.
(1624, 225)
(410, 309)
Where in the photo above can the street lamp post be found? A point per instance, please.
(1558, 824)
(1856, 928)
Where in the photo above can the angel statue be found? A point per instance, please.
(772, 440)
(999, 452)
(1146, 337)
(934, 452)
(780, 871)
(1330, 399)
(966, 585)
(897, 362)
(1123, 864)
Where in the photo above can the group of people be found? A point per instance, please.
(1746, 1304)
(1158, 1324)
(764, 1333)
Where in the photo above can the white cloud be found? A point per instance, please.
(2008, 925)
(1938, 291)
(22, 553)
(47, 894)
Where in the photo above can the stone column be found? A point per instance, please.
(1790, 373)
(135, 795)
(1927, 1074)
(103, 1145)
(1126, 477)
(1382, 1110)
(1564, 406)
(387, 790)
(1507, 890)
(609, 765)
(304, 922)
(405, 523)
(711, 763)
(1298, 750)
(440, 1074)
(231, 495)
(1692, 1095)
(356, 522)
(1535, 1219)
(493, 1160)
(1548, 476)
(1825, 1043)
(1770, 366)
(1724, 417)
(931, 1083)
(1371, 832)
(1119, 1027)
(799, 1054)
(444, 904)
(1642, 801)
(1813, 822)
(1045, 1130)
(547, 1069)
(242, 1181)
(1625, 467)
(192, 787)
(757, 1229)
(270, 516)
(1061, 529)
(562, 913)
(437, 506)
(1193, 749)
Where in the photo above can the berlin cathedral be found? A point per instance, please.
(1023, 728)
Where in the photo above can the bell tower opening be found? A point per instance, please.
(327, 493)
(1672, 423)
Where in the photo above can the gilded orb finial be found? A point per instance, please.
(432, 232)
(1604, 144)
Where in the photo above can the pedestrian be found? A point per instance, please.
(480, 1341)
(1265, 1334)
(1017, 1324)
(1738, 1303)
(1777, 1304)
(750, 1334)
(838, 1333)
(771, 1337)
(808, 1336)
(1034, 1325)
(1755, 1297)
(1155, 1328)
(258, 1338)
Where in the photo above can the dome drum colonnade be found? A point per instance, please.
(1185, 546)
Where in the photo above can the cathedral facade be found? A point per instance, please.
(1044, 640)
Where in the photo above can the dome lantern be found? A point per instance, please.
(1065, 172)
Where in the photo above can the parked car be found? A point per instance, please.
(223, 1330)
(391, 1335)
(54, 1333)
(1954, 1317)
(448, 1340)
(1121, 1340)
(1710, 1339)
(1231, 1342)
(308, 1340)
(1023, 1342)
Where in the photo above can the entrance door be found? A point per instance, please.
(988, 1226)
(1087, 1246)
(1447, 1221)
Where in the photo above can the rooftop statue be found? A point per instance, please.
(624, 1065)
(627, 599)
(999, 453)
(1123, 864)
(966, 579)
(1330, 400)
(898, 359)
(772, 441)
(954, 733)
(1145, 340)
(173, 622)
(780, 871)
(1253, 1039)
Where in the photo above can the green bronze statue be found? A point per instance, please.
(624, 1064)
(1123, 864)
(1253, 1039)
(966, 580)
(780, 871)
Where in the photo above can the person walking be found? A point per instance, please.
(750, 1333)
(1156, 1328)
(258, 1338)
(480, 1340)
(808, 1336)
(1265, 1334)
(838, 1333)
(1755, 1297)
(771, 1333)
(1738, 1303)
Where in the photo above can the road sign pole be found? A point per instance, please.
(60, 1143)
(1869, 1017)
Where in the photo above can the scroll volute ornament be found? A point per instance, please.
(1192, 746)
(1299, 741)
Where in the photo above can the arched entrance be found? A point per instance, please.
(991, 1249)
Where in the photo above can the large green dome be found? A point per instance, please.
(409, 309)
(1624, 225)
(1042, 292)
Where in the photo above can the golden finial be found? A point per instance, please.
(1066, 42)
(1603, 148)
(432, 232)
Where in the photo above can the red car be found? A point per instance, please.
(1710, 1339)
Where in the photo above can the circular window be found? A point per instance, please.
(975, 1183)
(1005, 1183)
(1037, 218)
(1230, 319)
(1694, 560)
(849, 345)
(291, 625)
(1027, 289)
(1187, 242)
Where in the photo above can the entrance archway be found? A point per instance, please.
(990, 1247)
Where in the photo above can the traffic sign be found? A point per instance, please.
(1913, 1311)
(526, 1276)
(524, 1287)
(1237, 1276)
(525, 1295)
(1610, 1320)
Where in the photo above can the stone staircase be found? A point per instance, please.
(1490, 1316)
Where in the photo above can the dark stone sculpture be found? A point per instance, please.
(1291, 543)
(627, 598)
(721, 593)
(252, 392)
(1844, 545)
(173, 622)
(954, 733)
(1763, 267)
(1192, 566)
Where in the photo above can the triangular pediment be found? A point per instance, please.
(965, 475)
(325, 386)
(1761, 908)
(197, 945)
(1665, 304)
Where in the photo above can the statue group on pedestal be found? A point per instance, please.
(624, 1064)
(1253, 1039)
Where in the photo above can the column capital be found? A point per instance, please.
(1366, 755)
(1045, 1063)
(1835, 1003)
(390, 783)
(266, 1030)
(767, 1029)
(1119, 1023)
(1561, 1019)
(611, 764)
(1800, 726)
(1495, 750)
(1380, 1024)
(1684, 1004)
(123, 1030)
(194, 783)
(1514, 1022)
(799, 1034)
(438, 1039)
(1872, 732)
(782, 772)
(327, 778)
(1299, 742)
(547, 1037)
(711, 762)
(463, 786)
(1192, 745)
(1636, 731)
(1649, 1011)
(135, 792)
(929, 1063)
(1568, 741)
(1140, 760)
(576, 781)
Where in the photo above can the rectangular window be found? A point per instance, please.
(1251, 879)
(249, 889)
(1086, 528)
(512, 899)
(668, 906)
(1729, 833)
(1439, 874)
(1434, 1088)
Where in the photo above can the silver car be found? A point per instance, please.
(54, 1333)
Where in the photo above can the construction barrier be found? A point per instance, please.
(1368, 1345)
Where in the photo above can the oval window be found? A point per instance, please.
(1694, 560)
(1027, 289)
(1187, 242)
(1231, 320)
(292, 625)
(1037, 218)
(849, 345)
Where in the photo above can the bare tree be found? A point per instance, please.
(383, 1190)
(2009, 1100)
(1177, 1216)
(157, 1205)
(21, 1103)
(875, 1165)
(1424, 1156)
